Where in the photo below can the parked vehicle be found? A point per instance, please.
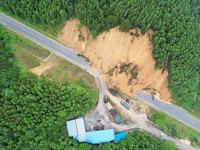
(125, 104)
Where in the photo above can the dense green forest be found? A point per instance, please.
(176, 25)
(33, 112)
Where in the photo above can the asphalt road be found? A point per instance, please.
(170, 109)
(71, 56)
(55, 47)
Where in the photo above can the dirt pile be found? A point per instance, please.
(124, 59)
(45, 66)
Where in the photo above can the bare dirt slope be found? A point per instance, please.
(125, 61)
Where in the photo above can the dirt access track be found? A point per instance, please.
(125, 61)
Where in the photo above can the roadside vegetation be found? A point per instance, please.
(66, 72)
(33, 111)
(175, 39)
(48, 30)
(31, 55)
(141, 141)
(175, 128)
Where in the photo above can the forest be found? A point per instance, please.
(175, 24)
(33, 111)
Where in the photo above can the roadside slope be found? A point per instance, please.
(125, 61)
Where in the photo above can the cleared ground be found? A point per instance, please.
(29, 54)
(124, 60)
(43, 63)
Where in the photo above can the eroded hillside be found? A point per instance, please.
(124, 59)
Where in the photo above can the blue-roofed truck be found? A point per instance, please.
(125, 104)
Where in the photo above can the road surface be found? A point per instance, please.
(55, 47)
(170, 109)
(141, 122)
(71, 56)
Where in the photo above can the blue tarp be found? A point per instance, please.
(96, 137)
(120, 136)
(76, 129)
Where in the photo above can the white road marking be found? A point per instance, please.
(31, 33)
(17, 25)
(57, 47)
(184, 116)
(162, 104)
(142, 96)
(194, 122)
(172, 110)
(8, 20)
(47, 42)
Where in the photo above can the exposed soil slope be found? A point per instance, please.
(125, 61)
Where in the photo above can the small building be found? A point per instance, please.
(76, 129)
(113, 112)
(118, 119)
(109, 106)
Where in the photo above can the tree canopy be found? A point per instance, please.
(175, 24)
(33, 111)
